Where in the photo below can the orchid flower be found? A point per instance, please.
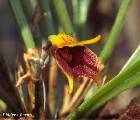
(75, 59)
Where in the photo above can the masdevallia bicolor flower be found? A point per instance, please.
(74, 58)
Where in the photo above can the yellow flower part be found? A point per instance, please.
(70, 82)
(62, 40)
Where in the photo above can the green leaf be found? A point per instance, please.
(47, 19)
(116, 29)
(80, 13)
(22, 23)
(3, 106)
(133, 59)
(63, 16)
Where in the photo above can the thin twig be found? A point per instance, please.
(79, 94)
(77, 97)
(52, 85)
(38, 98)
(66, 101)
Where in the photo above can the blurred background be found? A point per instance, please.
(100, 18)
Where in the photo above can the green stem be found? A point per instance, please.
(22, 23)
(63, 16)
(48, 21)
(80, 11)
(30, 8)
(116, 29)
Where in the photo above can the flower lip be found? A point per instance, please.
(77, 61)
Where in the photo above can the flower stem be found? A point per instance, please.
(116, 29)
(22, 23)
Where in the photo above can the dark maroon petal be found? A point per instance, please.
(77, 61)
